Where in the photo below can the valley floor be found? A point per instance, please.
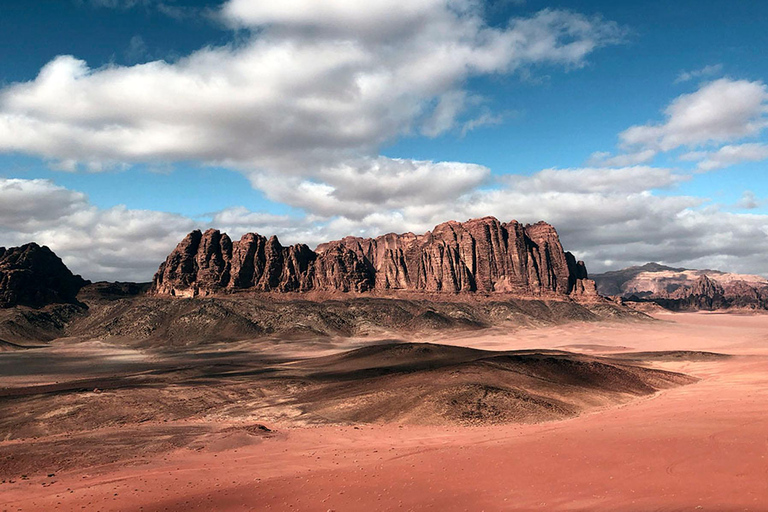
(702, 446)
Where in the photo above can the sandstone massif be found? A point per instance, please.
(34, 276)
(471, 260)
(681, 289)
(480, 255)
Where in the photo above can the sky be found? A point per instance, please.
(639, 129)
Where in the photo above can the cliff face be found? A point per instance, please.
(686, 289)
(34, 276)
(481, 255)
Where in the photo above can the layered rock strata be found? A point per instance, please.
(480, 255)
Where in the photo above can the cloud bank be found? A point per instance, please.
(609, 217)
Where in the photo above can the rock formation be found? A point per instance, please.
(480, 255)
(34, 276)
(685, 289)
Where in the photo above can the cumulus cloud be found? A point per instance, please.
(338, 17)
(720, 111)
(624, 180)
(32, 204)
(316, 84)
(486, 118)
(115, 4)
(443, 117)
(609, 218)
(114, 243)
(301, 105)
(727, 156)
(356, 188)
(137, 49)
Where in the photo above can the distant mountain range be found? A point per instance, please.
(685, 289)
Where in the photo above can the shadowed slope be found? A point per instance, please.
(434, 384)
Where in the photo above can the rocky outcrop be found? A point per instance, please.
(685, 289)
(481, 255)
(34, 276)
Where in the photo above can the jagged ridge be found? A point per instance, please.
(480, 255)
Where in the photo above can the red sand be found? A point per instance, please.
(698, 447)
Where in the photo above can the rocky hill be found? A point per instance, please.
(44, 301)
(480, 255)
(685, 289)
(34, 276)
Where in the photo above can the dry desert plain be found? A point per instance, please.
(93, 427)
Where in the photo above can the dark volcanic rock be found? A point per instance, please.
(34, 276)
(480, 255)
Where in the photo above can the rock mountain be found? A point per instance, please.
(480, 255)
(34, 276)
(685, 289)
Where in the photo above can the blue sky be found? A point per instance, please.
(636, 128)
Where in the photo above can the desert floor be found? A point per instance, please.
(702, 446)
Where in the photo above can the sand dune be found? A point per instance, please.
(390, 426)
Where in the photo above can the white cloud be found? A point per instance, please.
(356, 188)
(727, 156)
(377, 17)
(720, 111)
(303, 92)
(608, 217)
(484, 119)
(709, 70)
(115, 4)
(443, 117)
(32, 204)
(301, 107)
(624, 180)
(116, 243)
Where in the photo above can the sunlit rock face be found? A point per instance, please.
(685, 289)
(480, 255)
